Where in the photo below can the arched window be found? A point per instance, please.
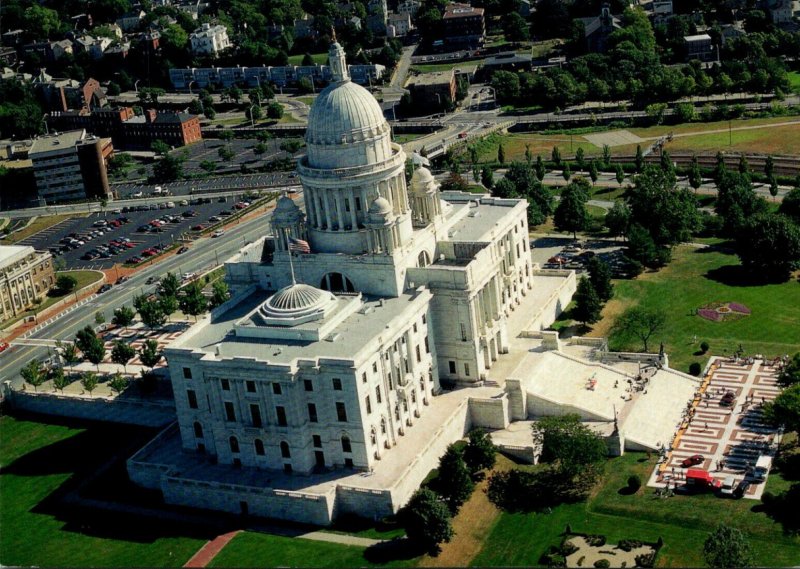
(234, 442)
(198, 430)
(423, 260)
(336, 282)
(373, 436)
(346, 447)
(383, 425)
(285, 452)
(259, 444)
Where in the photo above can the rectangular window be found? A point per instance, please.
(276, 388)
(255, 414)
(415, 326)
(346, 204)
(250, 386)
(312, 412)
(192, 397)
(378, 393)
(226, 385)
(187, 373)
(341, 412)
(308, 385)
(230, 413)
(368, 404)
(463, 333)
(364, 377)
(358, 204)
(452, 366)
(419, 355)
(337, 384)
(281, 412)
(424, 319)
(317, 441)
(346, 446)
(427, 347)
(466, 370)
(374, 367)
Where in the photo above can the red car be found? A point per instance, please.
(728, 399)
(198, 227)
(693, 460)
(3, 346)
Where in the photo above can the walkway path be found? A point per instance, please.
(210, 550)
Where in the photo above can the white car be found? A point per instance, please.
(219, 233)
(138, 195)
(189, 276)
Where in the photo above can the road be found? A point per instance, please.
(205, 253)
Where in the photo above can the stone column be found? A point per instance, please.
(337, 200)
(327, 207)
(353, 209)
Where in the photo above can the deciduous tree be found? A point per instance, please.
(193, 302)
(587, 303)
(427, 520)
(149, 354)
(480, 453)
(33, 374)
(122, 353)
(641, 323)
(727, 547)
(123, 316)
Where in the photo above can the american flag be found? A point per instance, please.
(298, 246)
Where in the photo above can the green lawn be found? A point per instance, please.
(264, 550)
(682, 521)
(437, 67)
(697, 277)
(38, 463)
(794, 81)
(39, 224)
(319, 58)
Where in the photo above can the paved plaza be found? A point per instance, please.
(730, 438)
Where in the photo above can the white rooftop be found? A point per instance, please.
(11, 253)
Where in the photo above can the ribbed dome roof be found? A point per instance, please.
(296, 297)
(344, 112)
(285, 204)
(422, 174)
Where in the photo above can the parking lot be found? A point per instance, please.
(186, 188)
(140, 231)
(566, 253)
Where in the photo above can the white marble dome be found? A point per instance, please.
(296, 303)
(422, 181)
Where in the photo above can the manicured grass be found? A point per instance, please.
(403, 138)
(794, 81)
(697, 277)
(41, 461)
(319, 58)
(83, 277)
(436, 67)
(263, 550)
(306, 100)
(37, 225)
(682, 521)
(514, 146)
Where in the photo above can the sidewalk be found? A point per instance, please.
(209, 551)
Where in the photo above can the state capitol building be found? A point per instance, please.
(361, 337)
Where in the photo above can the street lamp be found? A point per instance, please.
(190, 86)
(46, 128)
(252, 120)
(136, 86)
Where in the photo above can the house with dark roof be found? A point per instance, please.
(597, 30)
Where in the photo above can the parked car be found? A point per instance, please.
(214, 218)
(3, 346)
(105, 288)
(693, 460)
(183, 250)
(741, 488)
(219, 233)
(728, 400)
(134, 260)
(728, 487)
(198, 227)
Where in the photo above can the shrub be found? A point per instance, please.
(568, 548)
(645, 559)
(580, 561)
(604, 563)
(704, 346)
(596, 540)
(634, 482)
(629, 544)
(695, 368)
(553, 560)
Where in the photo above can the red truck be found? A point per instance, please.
(701, 480)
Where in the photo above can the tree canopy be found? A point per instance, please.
(769, 246)
(568, 443)
(726, 547)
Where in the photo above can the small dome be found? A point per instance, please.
(381, 207)
(422, 174)
(285, 204)
(296, 301)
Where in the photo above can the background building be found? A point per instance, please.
(25, 276)
(209, 40)
(71, 166)
(464, 26)
(427, 88)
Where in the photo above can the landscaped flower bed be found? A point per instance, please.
(719, 311)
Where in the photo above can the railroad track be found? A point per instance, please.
(784, 165)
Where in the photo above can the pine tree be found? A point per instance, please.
(566, 173)
(695, 177)
(454, 482)
(556, 156)
(579, 158)
(501, 154)
(587, 303)
(639, 160)
(606, 156)
(539, 167)
(593, 171)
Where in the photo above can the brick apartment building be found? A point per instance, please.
(131, 132)
(464, 26)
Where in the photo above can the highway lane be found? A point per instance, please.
(205, 253)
